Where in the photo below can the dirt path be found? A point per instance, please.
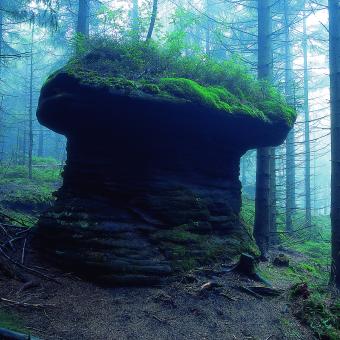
(179, 310)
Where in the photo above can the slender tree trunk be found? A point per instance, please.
(1, 35)
(153, 19)
(30, 110)
(334, 66)
(41, 143)
(262, 199)
(290, 141)
(83, 18)
(135, 19)
(272, 218)
(308, 210)
(209, 27)
(2, 137)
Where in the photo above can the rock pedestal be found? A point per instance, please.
(150, 186)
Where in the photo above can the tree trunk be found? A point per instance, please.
(308, 211)
(2, 137)
(135, 19)
(334, 67)
(272, 218)
(262, 199)
(152, 20)
(30, 110)
(83, 18)
(290, 150)
(41, 143)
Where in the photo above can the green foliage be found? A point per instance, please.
(309, 265)
(131, 65)
(321, 313)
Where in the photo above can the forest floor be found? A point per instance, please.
(182, 309)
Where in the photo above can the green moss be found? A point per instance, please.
(214, 97)
(150, 88)
(159, 70)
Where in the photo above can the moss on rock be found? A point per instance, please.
(137, 67)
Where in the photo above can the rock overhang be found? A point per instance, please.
(101, 106)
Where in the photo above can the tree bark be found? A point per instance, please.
(83, 18)
(135, 19)
(272, 218)
(334, 67)
(308, 210)
(262, 199)
(2, 137)
(153, 19)
(290, 141)
(41, 143)
(30, 110)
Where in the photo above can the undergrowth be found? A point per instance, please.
(23, 198)
(309, 253)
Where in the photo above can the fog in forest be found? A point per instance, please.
(190, 148)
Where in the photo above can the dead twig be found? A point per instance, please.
(27, 285)
(251, 292)
(224, 294)
(28, 269)
(23, 252)
(14, 220)
(158, 319)
(26, 304)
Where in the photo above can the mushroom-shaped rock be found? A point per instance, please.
(151, 183)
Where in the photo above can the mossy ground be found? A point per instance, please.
(24, 198)
(161, 71)
(309, 253)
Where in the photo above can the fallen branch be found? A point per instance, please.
(251, 292)
(23, 252)
(14, 220)
(28, 285)
(26, 304)
(28, 269)
(266, 291)
(158, 319)
(228, 296)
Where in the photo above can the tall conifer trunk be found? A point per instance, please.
(153, 19)
(308, 208)
(262, 199)
(135, 19)
(290, 149)
(30, 109)
(334, 66)
(2, 137)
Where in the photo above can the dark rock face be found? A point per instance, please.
(150, 185)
